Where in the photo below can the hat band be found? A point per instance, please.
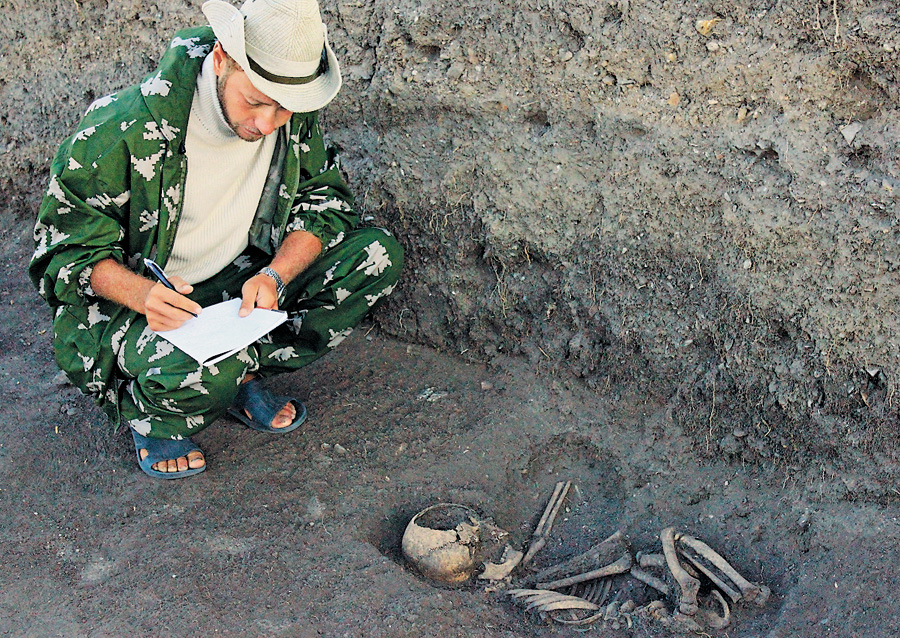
(282, 79)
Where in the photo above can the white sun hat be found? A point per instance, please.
(282, 46)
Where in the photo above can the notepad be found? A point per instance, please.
(219, 332)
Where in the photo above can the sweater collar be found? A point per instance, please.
(208, 108)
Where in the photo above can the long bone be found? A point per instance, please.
(752, 592)
(539, 537)
(596, 557)
(619, 567)
(648, 579)
(689, 585)
(718, 579)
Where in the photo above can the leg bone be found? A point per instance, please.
(754, 593)
(688, 585)
(619, 567)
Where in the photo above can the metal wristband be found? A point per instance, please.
(279, 285)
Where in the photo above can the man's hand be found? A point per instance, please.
(167, 309)
(259, 291)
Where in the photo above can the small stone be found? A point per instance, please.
(672, 57)
(741, 114)
(60, 378)
(674, 99)
(748, 264)
(487, 385)
(851, 131)
(712, 46)
(705, 27)
(455, 71)
(340, 449)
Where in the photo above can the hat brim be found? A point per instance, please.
(227, 23)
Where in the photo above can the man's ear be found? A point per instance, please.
(219, 57)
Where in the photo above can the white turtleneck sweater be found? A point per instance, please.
(225, 179)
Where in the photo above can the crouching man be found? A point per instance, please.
(214, 167)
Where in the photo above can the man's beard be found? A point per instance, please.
(220, 93)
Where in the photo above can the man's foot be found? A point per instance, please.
(192, 461)
(281, 420)
(168, 458)
(259, 409)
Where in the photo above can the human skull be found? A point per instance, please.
(442, 542)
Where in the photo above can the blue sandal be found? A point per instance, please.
(164, 450)
(263, 406)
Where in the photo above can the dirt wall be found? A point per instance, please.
(702, 195)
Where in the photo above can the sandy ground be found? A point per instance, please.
(295, 536)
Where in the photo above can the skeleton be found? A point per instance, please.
(575, 591)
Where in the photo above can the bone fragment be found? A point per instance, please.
(689, 585)
(753, 592)
(597, 556)
(648, 579)
(619, 567)
(612, 611)
(509, 561)
(651, 560)
(718, 579)
(713, 619)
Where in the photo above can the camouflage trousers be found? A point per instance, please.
(168, 394)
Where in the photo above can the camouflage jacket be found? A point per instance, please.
(116, 189)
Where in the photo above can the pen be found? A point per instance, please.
(153, 267)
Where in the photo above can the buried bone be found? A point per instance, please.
(600, 555)
(618, 567)
(751, 592)
(713, 619)
(649, 579)
(441, 540)
(542, 530)
(688, 585)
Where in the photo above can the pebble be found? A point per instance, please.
(340, 449)
(850, 131)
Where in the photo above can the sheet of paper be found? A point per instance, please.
(219, 332)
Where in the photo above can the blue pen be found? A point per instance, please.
(153, 267)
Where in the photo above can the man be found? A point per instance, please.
(214, 167)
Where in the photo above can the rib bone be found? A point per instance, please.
(688, 584)
(754, 593)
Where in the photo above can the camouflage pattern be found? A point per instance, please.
(116, 190)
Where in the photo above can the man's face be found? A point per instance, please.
(250, 113)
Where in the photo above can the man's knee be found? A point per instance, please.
(379, 253)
